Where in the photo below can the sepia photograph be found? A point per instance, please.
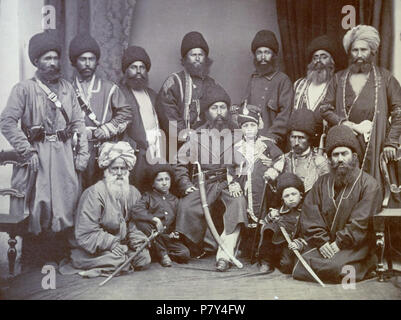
(201, 154)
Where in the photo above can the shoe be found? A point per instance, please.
(265, 267)
(222, 265)
(166, 261)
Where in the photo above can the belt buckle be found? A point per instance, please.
(52, 138)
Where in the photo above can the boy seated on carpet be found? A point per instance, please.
(273, 250)
(158, 208)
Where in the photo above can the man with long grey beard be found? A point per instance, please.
(104, 235)
(311, 90)
(336, 217)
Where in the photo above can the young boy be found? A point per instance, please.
(257, 161)
(158, 208)
(274, 250)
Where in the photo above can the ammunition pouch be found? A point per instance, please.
(38, 134)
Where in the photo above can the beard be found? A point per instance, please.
(343, 172)
(118, 187)
(361, 65)
(219, 122)
(197, 70)
(49, 74)
(267, 68)
(319, 73)
(138, 82)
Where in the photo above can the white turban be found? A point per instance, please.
(362, 32)
(110, 151)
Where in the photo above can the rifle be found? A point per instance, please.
(153, 235)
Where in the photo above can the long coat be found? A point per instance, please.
(53, 195)
(347, 220)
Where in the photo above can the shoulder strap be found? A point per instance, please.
(180, 84)
(106, 106)
(53, 98)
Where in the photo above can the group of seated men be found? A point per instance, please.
(259, 163)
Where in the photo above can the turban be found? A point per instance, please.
(83, 43)
(287, 180)
(214, 94)
(362, 32)
(193, 40)
(132, 54)
(110, 151)
(265, 38)
(342, 136)
(42, 43)
(303, 120)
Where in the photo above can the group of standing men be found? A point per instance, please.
(71, 129)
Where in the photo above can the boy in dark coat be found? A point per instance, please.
(158, 208)
(274, 250)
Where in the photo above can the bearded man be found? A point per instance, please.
(49, 114)
(104, 234)
(270, 89)
(336, 218)
(363, 97)
(311, 90)
(143, 133)
(212, 147)
(180, 98)
(106, 111)
(304, 159)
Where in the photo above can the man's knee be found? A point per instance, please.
(142, 260)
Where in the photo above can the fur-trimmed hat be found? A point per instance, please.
(249, 112)
(342, 136)
(155, 169)
(193, 40)
(83, 43)
(287, 180)
(132, 54)
(322, 43)
(41, 43)
(265, 38)
(303, 120)
(213, 94)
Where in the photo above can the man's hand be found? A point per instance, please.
(390, 153)
(349, 124)
(335, 247)
(271, 174)
(158, 224)
(99, 134)
(267, 162)
(119, 249)
(34, 162)
(327, 251)
(234, 189)
(190, 190)
(294, 246)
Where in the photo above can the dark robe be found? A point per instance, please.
(383, 133)
(350, 226)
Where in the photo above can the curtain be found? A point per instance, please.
(301, 21)
(108, 21)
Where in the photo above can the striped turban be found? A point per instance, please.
(362, 32)
(110, 151)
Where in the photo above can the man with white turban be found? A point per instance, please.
(364, 97)
(104, 235)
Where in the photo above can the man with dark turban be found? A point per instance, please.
(304, 159)
(336, 218)
(180, 97)
(269, 88)
(104, 234)
(106, 111)
(49, 114)
(364, 97)
(311, 90)
(143, 132)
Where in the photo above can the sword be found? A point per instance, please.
(300, 258)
